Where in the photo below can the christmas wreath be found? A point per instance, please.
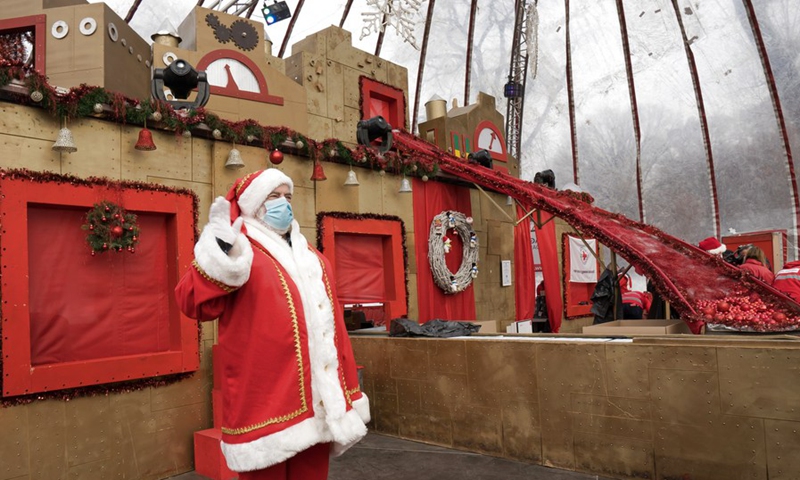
(111, 228)
(439, 246)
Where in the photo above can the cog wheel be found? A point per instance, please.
(212, 20)
(221, 32)
(244, 35)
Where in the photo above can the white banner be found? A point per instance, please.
(582, 264)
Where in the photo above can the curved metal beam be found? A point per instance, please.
(345, 13)
(422, 53)
(470, 38)
(637, 131)
(701, 112)
(776, 105)
(573, 135)
(291, 27)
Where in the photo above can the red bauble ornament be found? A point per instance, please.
(116, 231)
(276, 157)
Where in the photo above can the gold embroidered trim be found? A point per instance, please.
(203, 273)
(299, 353)
(241, 185)
(347, 393)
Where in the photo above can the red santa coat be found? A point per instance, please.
(289, 376)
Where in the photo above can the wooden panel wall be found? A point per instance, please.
(656, 409)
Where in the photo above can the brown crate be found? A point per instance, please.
(489, 326)
(638, 327)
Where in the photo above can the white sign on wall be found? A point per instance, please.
(505, 272)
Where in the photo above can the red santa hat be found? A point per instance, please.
(713, 246)
(250, 192)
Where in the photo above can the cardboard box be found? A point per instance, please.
(489, 326)
(638, 327)
(523, 326)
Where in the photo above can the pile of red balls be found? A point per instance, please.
(748, 313)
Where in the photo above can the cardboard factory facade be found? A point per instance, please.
(102, 376)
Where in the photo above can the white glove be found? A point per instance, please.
(219, 221)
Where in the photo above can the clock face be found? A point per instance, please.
(489, 139)
(232, 75)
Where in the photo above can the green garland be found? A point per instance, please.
(111, 228)
(84, 100)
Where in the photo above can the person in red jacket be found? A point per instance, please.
(635, 304)
(787, 280)
(291, 396)
(755, 263)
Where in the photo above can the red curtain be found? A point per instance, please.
(85, 307)
(548, 255)
(430, 199)
(359, 268)
(524, 275)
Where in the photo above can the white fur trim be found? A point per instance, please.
(361, 406)
(278, 447)
(259, 189)
(303, 266)
(352, 430)
(331, 421)
(719, 250)
(232, 269)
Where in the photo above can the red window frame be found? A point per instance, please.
(35, 23)
(394, 97)
(19, 376)
(391, 232)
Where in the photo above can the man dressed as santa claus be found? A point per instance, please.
(290, 387)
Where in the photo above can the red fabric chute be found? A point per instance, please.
(548, 255)
(359, 268)
(430, 199)
(524, 275)
(124, 298)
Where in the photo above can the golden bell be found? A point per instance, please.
(235, 161)
(352, 180)
(65, 142)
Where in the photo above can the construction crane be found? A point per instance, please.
(514, 91)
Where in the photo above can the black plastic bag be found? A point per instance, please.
(603, 298)
(403, 327)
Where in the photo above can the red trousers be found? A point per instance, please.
(311, 464)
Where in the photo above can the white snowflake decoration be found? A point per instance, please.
(396, 13)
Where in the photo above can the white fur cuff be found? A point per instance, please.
(231, 269)
(362, 407)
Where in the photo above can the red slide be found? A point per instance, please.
(703, 288)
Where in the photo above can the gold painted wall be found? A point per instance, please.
(145, 434)
(329, 67)
(689, 408)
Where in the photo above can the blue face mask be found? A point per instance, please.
(279, 214)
